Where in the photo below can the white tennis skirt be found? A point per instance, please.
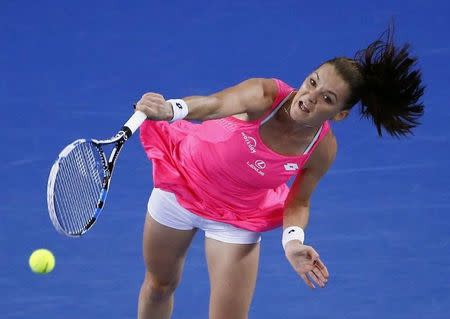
(165, 209)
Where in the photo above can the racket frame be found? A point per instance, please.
(107, 164)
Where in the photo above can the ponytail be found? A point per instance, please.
(383, 78)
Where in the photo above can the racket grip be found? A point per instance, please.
(134, 122)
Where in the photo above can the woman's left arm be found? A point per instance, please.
(304, 259)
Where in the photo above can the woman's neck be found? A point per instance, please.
(286, 125)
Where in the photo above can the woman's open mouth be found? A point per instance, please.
(303, 107)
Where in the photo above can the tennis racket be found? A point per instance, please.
(79, 180)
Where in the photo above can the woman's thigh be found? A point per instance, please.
(232, 270)
(164, 250)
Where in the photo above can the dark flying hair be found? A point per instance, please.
(382, 77)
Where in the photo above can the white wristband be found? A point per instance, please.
(293, 233)
(180, 109)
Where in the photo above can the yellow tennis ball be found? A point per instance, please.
(42, 261)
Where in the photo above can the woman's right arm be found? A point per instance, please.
(252, 96)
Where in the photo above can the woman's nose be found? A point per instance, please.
(312, 97)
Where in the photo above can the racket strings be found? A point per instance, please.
(70, 208)
(78, 186)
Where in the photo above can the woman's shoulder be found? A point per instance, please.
(272, 88)
(325, 152)
(269, 86)
(262, 95)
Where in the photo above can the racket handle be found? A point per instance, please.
(134, 122)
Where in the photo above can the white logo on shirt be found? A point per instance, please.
(258, 166)
(290, 166)
(250, 141)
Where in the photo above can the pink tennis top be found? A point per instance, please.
(222, 170)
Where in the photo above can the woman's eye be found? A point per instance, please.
(327, 99)
(312, 82)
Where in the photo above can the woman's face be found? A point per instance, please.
(321, 97)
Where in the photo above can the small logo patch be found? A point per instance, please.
(290, 166)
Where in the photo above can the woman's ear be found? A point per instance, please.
(341, 115)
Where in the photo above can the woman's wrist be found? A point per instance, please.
(180, 109)
(291, 233)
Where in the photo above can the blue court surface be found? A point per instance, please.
(380, 219)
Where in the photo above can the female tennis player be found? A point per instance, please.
(227, 175)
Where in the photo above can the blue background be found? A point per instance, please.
(380, 218)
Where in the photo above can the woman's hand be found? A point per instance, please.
(306, 262)
(155, 107)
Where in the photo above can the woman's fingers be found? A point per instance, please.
(315, 279)
(306, 262)
(317, 276)
(315, 272)
(152, 99)
(323, 269)
(154, 106)
(307, 281)
(153, 96)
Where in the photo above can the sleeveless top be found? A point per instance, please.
(222, 170)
